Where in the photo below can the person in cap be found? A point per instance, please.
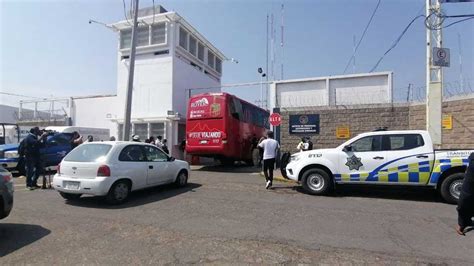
(466, 199)
(30, 149)
(136, 138)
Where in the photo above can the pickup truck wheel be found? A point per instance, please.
(119, 192)
(316, 181)
(69, 196)
(451, 187)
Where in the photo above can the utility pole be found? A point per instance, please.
(131, 70)
(461, 78)
(434, 75)
(354, 52)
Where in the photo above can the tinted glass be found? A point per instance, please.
(155, 155)
(88, 153)
(403, 142)
(372, 143)
(132, 153)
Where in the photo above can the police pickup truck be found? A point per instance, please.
(382, 157)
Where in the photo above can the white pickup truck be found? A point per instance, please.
(382, 157)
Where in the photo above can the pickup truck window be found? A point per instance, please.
(402, 142)
(371, 143)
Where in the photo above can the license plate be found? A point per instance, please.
(203, 142)
(72, 185)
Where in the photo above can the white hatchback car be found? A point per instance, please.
(114, 169)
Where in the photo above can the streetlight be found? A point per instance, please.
(262, 75)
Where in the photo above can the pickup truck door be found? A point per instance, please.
(54, 149)
(409, 160)
(360, 159)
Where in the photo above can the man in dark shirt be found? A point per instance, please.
(30, 149)
(466, 199)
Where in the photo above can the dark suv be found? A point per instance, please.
(6, 193)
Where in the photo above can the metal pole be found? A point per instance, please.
(461, 78)
(261, 91)
(128, 102)
(434, 78)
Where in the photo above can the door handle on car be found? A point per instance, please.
(422, 156)
(150, 166)
(378, 158)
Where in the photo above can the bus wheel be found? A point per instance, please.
(227, 162)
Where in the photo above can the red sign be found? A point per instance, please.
(275, 119)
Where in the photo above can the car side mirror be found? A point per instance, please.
(171, 159)
(347, 148)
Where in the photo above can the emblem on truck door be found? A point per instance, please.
(354, 162)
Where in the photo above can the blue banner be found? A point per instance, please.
(304, 124)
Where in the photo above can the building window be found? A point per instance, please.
(125, 38)
(183, 38)
(192, 45)
(218, 65)
(158, 33)
(200, 51)
(143, 36)
(210, 59)
(141, 130)
(157, 129)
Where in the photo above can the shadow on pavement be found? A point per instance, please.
(385, 192)
(136, 198)
(229, 169)
(16, 236)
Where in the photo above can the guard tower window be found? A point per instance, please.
(183, 38)
(143, 36)
(218, 65)
(158, 33)
(125, 38)
(201, 52)
(192, 45)
(210, 59)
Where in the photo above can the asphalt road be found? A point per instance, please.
(227, 216)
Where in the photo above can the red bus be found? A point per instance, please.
(222, 126)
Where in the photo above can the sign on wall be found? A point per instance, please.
(441, 57)
(304, 124)
(343, 132)
(447, 122)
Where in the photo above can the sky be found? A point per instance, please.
(48, 48)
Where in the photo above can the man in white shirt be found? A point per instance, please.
(270, 148)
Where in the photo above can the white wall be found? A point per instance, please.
(152, 90)
(186, 77)
(97, 113)
(361, 90)
(302, 94)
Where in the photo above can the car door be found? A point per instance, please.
(409, 159)
(133, 164)
(359, 161)
(54, 149)
(158, 166)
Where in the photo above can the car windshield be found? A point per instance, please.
(88, 153)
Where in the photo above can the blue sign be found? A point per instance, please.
(304, 124)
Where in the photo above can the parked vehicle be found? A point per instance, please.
(114, 169)
(383, 157)
(6, 193)
(57, 145)
(9, 133)
(222, 126)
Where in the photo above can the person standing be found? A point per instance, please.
(30, 149)
(302, 145)
(164, 146)
(270, 148)
(159, 142)
(76, 140)
(466, 199)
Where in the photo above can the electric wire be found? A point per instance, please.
(362, 37)
(125, 12)
(396, 41)
(456, 22)
(153, 1)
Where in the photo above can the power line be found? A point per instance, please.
(456, 22)
(19, 95)
(396, 41)
(363, 34)
(153, 12)
(125, 12)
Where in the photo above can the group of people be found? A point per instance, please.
(159, 142)
(305, 144)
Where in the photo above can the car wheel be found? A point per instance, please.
(181, 179)
(69, 196)
(316, 182)
(119, 192)
(451, 188)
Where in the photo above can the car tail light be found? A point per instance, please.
(103, 170)
(7, 178)
(58, 170)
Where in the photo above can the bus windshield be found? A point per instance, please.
(206, 107)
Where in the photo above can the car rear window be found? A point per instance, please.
(88, 153)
